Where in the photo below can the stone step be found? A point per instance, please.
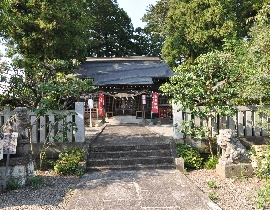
(129, 161)
(130, 154)
(132, 167)
(113, 148)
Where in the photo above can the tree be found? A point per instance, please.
(258, 59)
(111, 30)
(46, 41)
(145, 43)
(155, 28)
(197, 27)
(205, 87)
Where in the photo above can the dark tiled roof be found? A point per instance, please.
(119, 71)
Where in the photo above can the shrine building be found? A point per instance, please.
(127, 86)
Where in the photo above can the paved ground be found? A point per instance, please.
(164, 131)
(128, 135)
(140, 189)
(145, 189)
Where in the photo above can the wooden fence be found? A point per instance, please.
(246, 122)
(49, 124)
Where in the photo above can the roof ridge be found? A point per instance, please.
(129, 58)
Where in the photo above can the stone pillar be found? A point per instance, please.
(79, 120)
(20, 165)
(177, 120)
(19, 123)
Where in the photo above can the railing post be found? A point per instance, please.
(34, 134)
(7, 113)
(248, 123)
(42, 127)
(79, 120)
(177, 119)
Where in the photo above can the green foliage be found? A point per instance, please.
(44, 163)
(155, 28)
(146, 43)
(263, 170)
(205, 87)
(213, 196)
(37, 181)
(191, 29)
(210, 82)
(212, 184)
(46, 30)
(263, 157)
(13, 184)
(211, 162)
(67, 163)
(46, 42)
(111, 30)
(263, 196)
(61, 135)
(189, 129)
(257, 74)
(191, 156)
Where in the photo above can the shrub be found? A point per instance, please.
(211, 162)
(190, 155)
(67, 163)
(13, 184)
(37, 181)
(263, 196)
(263, 170)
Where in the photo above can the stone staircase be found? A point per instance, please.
(130, 157)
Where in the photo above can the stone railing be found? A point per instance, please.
(245, 123)
(50, 125)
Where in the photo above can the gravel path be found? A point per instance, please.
(231, 193)
(52, 196)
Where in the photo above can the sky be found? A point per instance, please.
(135, 10)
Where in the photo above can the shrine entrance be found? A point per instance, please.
(121, 82)
(123, 105)
(126, 104)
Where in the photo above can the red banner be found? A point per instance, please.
(100, 104)
(155, 103)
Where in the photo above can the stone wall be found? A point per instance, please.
(20, 168)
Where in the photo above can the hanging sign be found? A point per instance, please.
(90, 103)
(100, 104)
(143, 99)
(155, 103)
(10, 143)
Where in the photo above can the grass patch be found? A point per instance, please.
(37, 181)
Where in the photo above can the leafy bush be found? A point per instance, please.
(67, 163)
(211, 162)
(190, 155)
(263, 196)
(263, 170)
